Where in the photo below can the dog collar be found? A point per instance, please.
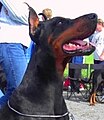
(41, 116)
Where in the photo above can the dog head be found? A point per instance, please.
(63, 35)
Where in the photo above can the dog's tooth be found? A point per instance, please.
(77, 46)
(70, 44)
(74, 45)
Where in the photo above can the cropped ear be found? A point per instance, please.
(33, 20)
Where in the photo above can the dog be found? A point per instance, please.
(97, 80)
(39, 96)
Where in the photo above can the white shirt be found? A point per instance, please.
(14, 25)
(98, 40)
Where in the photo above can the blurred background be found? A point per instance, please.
(69, 8)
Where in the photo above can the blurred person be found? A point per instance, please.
(98, 41)
(15, 40)
(46, 14)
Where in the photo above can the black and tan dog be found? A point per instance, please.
(39, 97)
(97, 78)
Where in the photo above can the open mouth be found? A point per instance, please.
(77, 46)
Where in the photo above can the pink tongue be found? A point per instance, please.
(74, 45)
(67, 47)
(71, 47)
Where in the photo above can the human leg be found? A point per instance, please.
(14, 64)
(1, 93)
(29, 51)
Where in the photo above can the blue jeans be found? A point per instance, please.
(30, 50)
(14, 64)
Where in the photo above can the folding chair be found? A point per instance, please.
(76, 79)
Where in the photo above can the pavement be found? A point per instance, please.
(81, 110)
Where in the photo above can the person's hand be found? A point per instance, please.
(102, 56)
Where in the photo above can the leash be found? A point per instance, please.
(41, 116)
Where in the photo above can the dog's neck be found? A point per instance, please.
(40, 87)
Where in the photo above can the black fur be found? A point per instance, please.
(97, 78)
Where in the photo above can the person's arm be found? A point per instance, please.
(101, 57)
(17, 10)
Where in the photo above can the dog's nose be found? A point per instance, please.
(92, 16)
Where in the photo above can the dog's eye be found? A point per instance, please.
(59, 23)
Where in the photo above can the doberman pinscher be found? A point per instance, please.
(39, 97)
(97, 80)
